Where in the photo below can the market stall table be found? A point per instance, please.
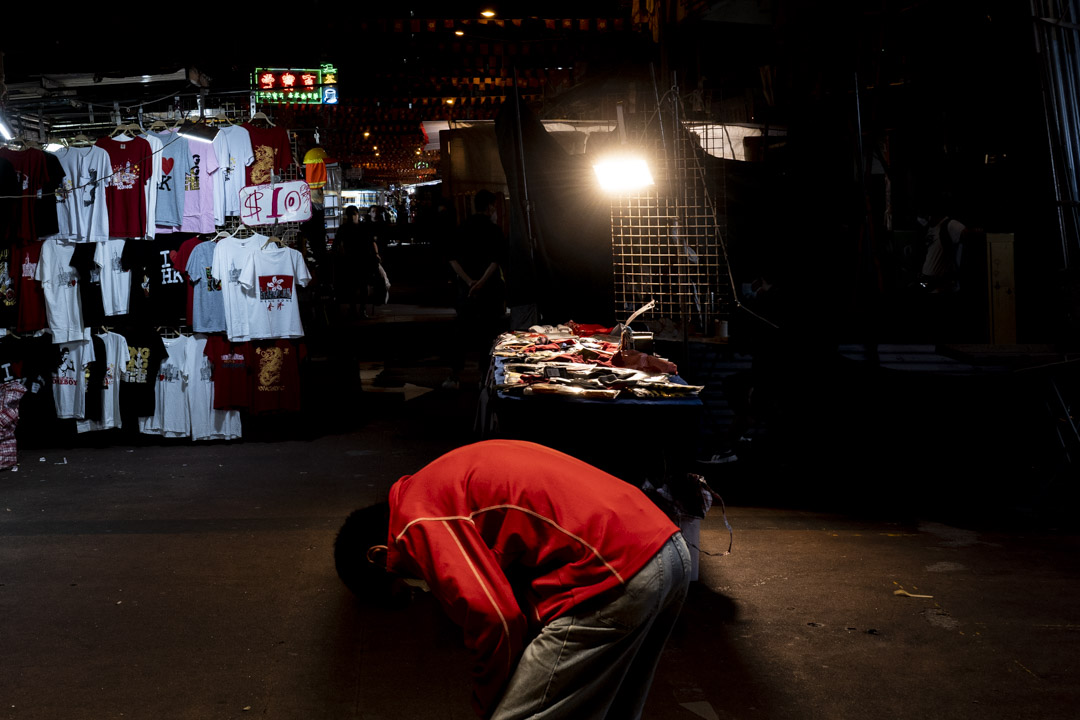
(575, 394)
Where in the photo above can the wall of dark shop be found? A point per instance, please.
(938, 99)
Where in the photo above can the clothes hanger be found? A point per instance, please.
(262, 116)
(158, 126)
(220, 235)
(274, 239)
(124, 129)
(221, 117)
(80, 140)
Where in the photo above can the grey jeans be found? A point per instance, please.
(599, 663)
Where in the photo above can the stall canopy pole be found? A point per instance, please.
(524, 177)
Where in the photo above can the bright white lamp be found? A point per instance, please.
(623, 173)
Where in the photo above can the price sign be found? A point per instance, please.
(277, 203)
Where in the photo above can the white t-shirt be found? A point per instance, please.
(275, 274)
(230, 258)
(60, 284)
(81, 210)
(115, 280)
(206, 422)
(171, 416)
(116, 358)
(234, 153)
(69, 378)
(151, 189)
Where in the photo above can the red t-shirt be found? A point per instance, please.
(125, 190)
(270, 146)
(179, 260)
(232, 367)
(275, 384)
(33, 175)
(30, 297)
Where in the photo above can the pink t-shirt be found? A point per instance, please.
(199, 189)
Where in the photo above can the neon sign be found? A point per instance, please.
(292, 85)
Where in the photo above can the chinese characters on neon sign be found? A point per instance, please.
(306, 87)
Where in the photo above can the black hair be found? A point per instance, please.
(362, 529)
(352, 210)
(483, 201)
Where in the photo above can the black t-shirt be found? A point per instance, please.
(146, 351)
(45, 206)
(10, 189)
(31, 361)
(93, 306)
(158, 289)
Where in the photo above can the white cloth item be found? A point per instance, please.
(206, 422)
(115, 280)
(151, 189)
(60, 285)
(69, 378)
(274, 274)
(116, 358)
(230, 258)
(82, 213)
(234, 153)
(171, 417)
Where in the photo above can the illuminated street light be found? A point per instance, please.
(623, 173)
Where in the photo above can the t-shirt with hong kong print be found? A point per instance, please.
(275, 274)
(127, 186)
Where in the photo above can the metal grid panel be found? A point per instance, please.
(667, 241)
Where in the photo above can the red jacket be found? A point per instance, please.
(510, 535)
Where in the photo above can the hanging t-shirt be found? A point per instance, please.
(233, 146)
(173, 163)
(29, 296)
(145, 353)
(270, 147)
(116, 356)
(81, 211)
(8, 311)
(179, 261)
(32, 360)
(172, 417)
(199, 189)
(155, 178)
(230, 257)
(69, 378)
(276, 381)
(115, 280)
(207, 423)
(95, 376)
(60, 283)
(33, 176)
(126, 192)
(86, 262)
(10, 190)
(158, 295)
(208, 305)
(45, 206)
(232, 365)
(275, 274)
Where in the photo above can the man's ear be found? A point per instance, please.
(376, 555)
